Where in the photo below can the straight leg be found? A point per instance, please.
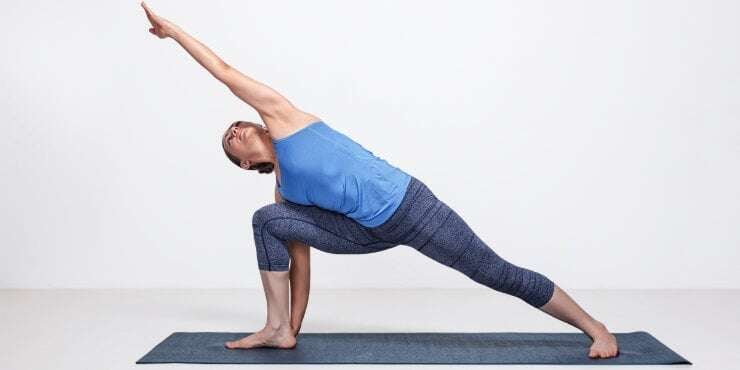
(449, 240)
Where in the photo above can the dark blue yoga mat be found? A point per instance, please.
(636, 348)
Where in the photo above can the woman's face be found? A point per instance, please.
(247, 141)
(234, 139)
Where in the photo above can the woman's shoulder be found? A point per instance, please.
(289, 123)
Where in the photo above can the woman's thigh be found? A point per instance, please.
(446, 238)
(332, 232)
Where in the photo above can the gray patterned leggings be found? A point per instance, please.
(421, 221)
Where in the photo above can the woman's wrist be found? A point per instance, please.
(175, 32)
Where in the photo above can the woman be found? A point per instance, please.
(340, 198)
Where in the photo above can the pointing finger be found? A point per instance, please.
(149, 13)
(146, 8)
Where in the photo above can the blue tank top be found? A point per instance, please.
(322, 167)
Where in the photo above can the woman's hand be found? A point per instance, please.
(161, 27)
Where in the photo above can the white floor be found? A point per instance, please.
(111, 329)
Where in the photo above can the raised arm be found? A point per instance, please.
(280, 116)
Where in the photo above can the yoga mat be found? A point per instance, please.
(636, 348)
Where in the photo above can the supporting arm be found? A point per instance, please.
(300, 278)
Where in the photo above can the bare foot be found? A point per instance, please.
(267, 337)
(605, 343)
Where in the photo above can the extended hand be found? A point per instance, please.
(161, 27)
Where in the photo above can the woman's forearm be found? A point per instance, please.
(268, 102)
(201, 53)
(279, 114)
(300, 283)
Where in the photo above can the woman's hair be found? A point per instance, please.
(262, 167)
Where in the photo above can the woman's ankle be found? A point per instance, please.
(279, 327)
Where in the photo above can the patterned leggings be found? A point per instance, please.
(421, 221)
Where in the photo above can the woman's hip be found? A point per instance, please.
(416, 217)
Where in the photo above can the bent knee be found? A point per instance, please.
(268, 212)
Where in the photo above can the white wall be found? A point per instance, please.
(597, 142)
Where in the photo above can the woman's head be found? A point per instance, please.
(249, 146)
